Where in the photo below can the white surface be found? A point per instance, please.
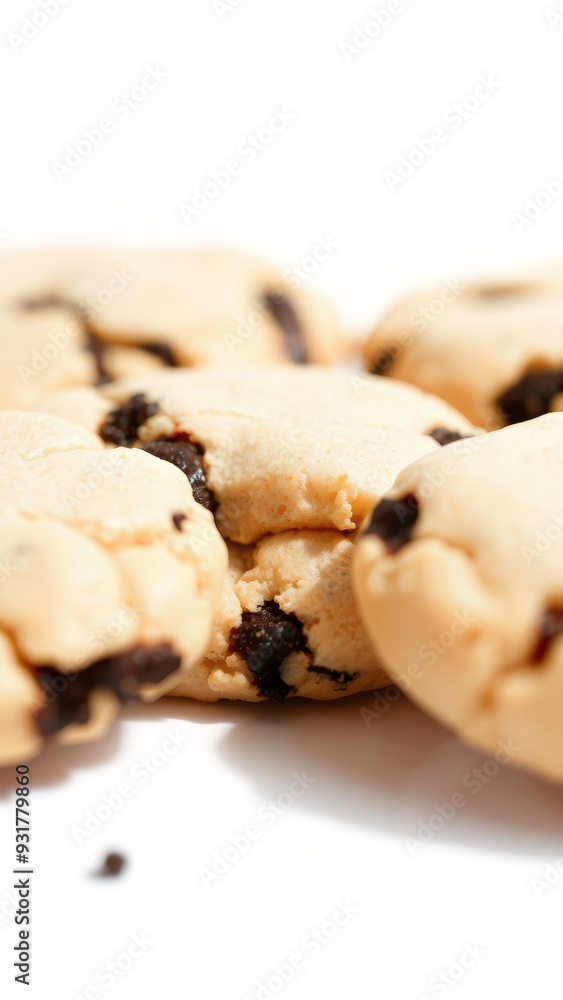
(323, 176)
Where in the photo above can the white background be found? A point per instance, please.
(344, 841)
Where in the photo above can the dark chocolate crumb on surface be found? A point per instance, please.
(122, 425)
(531, 396)
(124, 674)
(187, 456)
(383, 362)
(178, 520)
(338, 676)
(394, 521)
(551, 627)
(280, 308)
(113, 865)
(443, 436)
(264, 639)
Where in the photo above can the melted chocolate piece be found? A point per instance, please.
(187, 456)
(123, 674)
(443, 436)
(178, 519)
(383, 362)
(531, 396)
(394, 521)
(113, 865)
(282, 311)
(551, 626)
(338, 676)
(121, 425)
(264, 639)
(162, 351)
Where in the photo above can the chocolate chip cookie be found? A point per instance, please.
(287, 624)
(83, 317)
(459, 579)
(494, 350)
(110, 575)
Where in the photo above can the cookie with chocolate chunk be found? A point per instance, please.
(78, 316)
(287, 625)
(110, 575)
(494, 350)
(459, 579)
(272, 449)
(289, 461)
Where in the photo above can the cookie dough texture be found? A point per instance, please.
(294, 459)
(308, 575)
(92, 567)
(471, 344)
(468, 614)
(79, 316)
(285, 448)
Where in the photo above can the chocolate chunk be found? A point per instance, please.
(46, 302)
(187, 456)
(443, 436)
(383, 362)
(121, 426)
(264, 639)
(500, 291)
(124, 674)
(338, 676)
(531, 396)
(94, 343)
(97, 348)
(551, 626)
(282, 311)
(393, 521)
(162, 351)
(113, 865)
(178, 519)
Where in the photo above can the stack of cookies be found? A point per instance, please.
(198, 499)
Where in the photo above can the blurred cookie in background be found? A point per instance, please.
(494, 349)
(78, 316)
